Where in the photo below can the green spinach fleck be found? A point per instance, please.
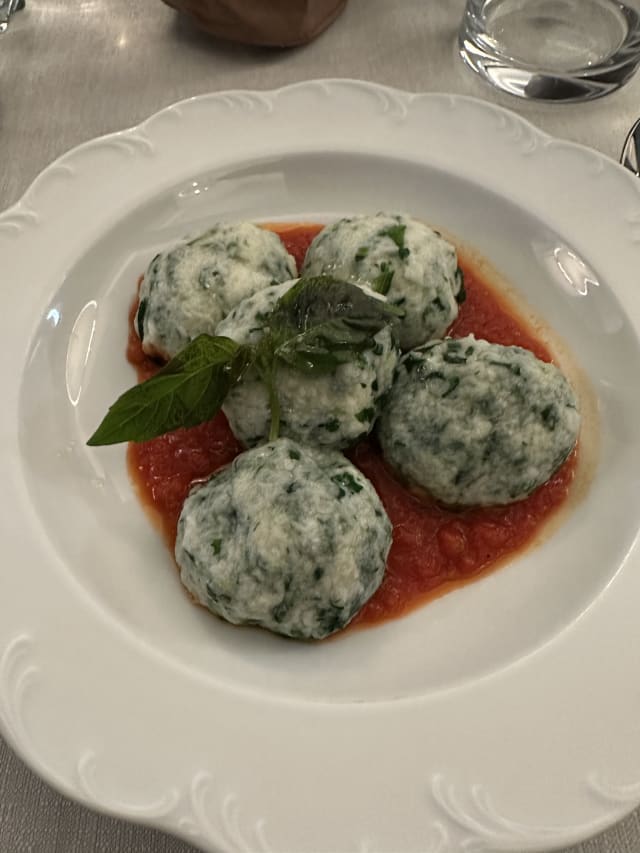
(382, 282)
(365, 416)
(397, 234)
(347, 483)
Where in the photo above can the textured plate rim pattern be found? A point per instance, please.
(454, 790)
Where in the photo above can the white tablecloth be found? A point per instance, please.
(70, 71)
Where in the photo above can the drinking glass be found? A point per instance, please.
(557, 50)
(7, 8)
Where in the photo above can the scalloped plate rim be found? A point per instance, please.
(22, 207)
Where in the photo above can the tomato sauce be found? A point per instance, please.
(434, 549)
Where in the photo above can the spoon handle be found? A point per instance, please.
(631, 150)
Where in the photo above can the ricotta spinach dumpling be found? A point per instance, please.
(288, 537)
(332, 409)
(187, 290)
(478, 423)
(404, 259)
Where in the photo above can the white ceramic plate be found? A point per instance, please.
(503, 716)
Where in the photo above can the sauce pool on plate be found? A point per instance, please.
(434, 549)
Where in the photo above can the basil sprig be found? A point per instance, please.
(186, 392)
(317, 325)
(322, 322)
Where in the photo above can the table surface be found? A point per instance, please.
(72, 71)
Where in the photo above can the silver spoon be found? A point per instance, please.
(631, 150)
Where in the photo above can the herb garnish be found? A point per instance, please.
(318, 324)
(188, 391)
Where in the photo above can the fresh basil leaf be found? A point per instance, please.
(317, 325)
(188, 391)
(323, 348)
(320, 299)
(323, 322)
